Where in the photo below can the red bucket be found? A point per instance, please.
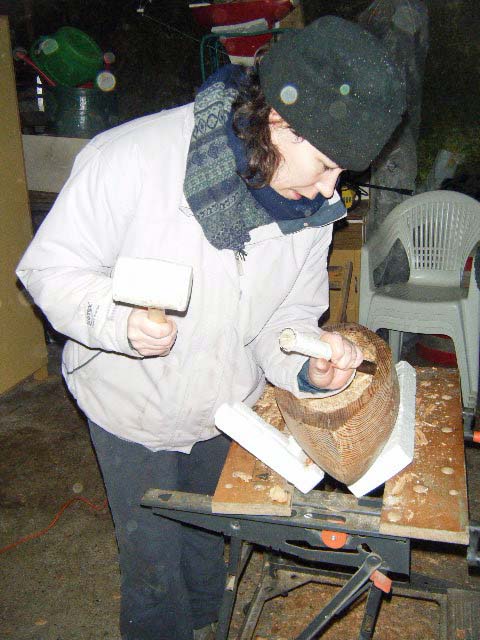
(219, 14)
(437, 349)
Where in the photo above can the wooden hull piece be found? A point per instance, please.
(345, 433)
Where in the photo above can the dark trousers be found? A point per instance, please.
(172, 575)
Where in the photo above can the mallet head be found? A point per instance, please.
(147, 282)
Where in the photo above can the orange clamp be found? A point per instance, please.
(333, 539)
(381, 581)
(476, 436)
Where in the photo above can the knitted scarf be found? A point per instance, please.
(220, 200)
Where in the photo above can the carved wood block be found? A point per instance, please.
(344, 433)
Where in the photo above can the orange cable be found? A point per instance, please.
(65, 506)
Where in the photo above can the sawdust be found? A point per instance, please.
(350, 394)
(266, 407)
(429, 409)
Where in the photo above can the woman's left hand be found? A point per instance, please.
(335, 373)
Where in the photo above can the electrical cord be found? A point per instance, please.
(38, 534)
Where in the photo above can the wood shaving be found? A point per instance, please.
(391, 501)
(420, 438)
(401, 482)
(245, 477)
(394, 516)
(420, 488)
(277, 494)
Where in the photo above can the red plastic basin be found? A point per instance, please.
(216, 15)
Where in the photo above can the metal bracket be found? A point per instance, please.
(469, 433)
(473, 551)
(353, 588)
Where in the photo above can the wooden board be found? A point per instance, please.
(253, 496)
(22, 342)
(347, 247)
(339, 279)
(246, 484)
(428, 499)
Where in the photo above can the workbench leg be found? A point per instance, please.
(252, 616)
(372, 609)
(269, 587)
(240, 553)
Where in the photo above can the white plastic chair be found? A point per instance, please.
(439, 230)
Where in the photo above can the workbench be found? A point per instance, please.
(361, 545)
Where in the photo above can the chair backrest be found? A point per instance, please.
(438, 230)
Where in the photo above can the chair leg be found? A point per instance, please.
(472, 331)
(465, 370)
(395, 339)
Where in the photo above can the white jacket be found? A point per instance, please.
(125, 198)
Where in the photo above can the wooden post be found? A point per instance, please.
(22, 342)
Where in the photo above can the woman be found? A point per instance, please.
(241, 186)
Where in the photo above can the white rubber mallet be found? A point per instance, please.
(154, 284)
(309, 344)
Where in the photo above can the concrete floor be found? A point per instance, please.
(64, 585)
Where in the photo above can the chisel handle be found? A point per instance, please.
(310, 345)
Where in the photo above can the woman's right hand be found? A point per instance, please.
(150, 338)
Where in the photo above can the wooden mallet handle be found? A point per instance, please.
(156, 315)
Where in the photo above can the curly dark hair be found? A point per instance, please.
(251, 124)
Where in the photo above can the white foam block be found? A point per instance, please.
(398, 450)
(277, 450)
